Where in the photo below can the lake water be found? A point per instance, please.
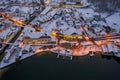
(48, 67)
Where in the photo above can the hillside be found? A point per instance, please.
(106, 5)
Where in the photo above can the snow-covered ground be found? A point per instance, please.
(114, 21)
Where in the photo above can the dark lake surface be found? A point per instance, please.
(48, 67)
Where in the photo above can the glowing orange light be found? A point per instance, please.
(54, 34)
(21, 45)
(15, 21)
(87, 38)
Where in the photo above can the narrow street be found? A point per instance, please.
(20, 31)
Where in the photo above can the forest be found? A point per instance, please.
(106, 5)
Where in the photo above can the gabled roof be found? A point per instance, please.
(45, 36)
(74, 33)
(72, 30)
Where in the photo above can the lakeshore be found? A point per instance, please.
(47, 66)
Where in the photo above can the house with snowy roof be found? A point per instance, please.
(72, 30)
(37, 39)
(26, 49)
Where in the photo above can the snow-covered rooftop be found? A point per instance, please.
(114, 20)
